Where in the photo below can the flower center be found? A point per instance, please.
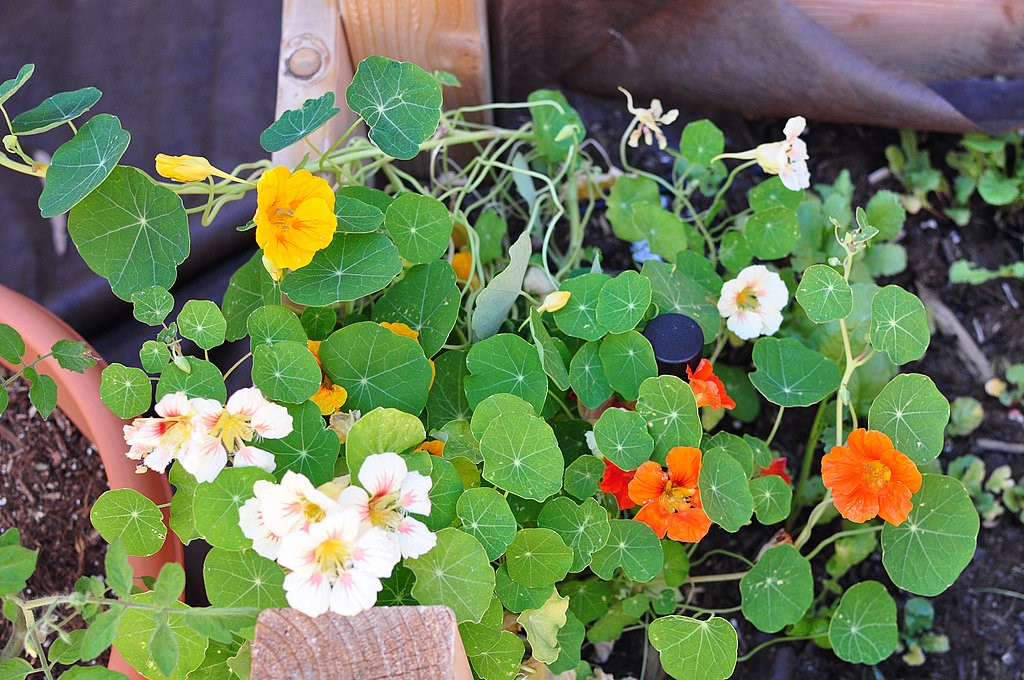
(876, 474)
(331, 557)
(677, 497)
(177, 432)
(385, 512)
(746, 299)
(311, 511)
(282, 218)
(233, 430)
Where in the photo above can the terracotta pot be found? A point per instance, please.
(78, 395)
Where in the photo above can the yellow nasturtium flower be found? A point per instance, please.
(330, 397)
(554, 301)
(185, 168)
(399, 328)
(294, 216)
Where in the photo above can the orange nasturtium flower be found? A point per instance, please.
(616, 482)
(294, 216)
(330, 397)
(707, 387)
(462, 264)
(399, 328)
(870, 477)
(671, 501)
(435, 447)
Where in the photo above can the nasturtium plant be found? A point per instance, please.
(443, 397)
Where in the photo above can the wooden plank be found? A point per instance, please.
(446, 35)
(314, 60)
(382, 643)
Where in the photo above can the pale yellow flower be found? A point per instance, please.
(185, 168)
(649, 121)
(554, 301)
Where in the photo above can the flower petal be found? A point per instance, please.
(383, 473)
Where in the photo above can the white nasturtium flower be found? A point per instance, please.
(752, 302)
(390, 491)
(787, 159)
(336, 565)
(649, 121)
(173, 434)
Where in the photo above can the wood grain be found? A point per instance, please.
(394, 643)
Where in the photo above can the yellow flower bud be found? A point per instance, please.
(183, 168)
(554, 301)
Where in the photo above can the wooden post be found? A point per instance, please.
(382, 643)
(446, 35)
(314, 60)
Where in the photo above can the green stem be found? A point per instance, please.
(836, 536)
(775, 427)
(775, 641)
(812, 521)
(805, 466)
(720, 551)
(714, 578)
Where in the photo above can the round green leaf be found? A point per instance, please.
(670, 408)
(724, 490)
(249, 288)
(309, 449)
(271, 324)
(354, 265)
(479, 637)
(863, 628)
(286, 372)
(578, 317)
(824, 294)
(690, 648)
(356, 216)
(542, 625)
(318, 322)
(886, 214)
(584, 527)
(772, 233)
(997, 189)
(129, 230)
(127, 515)
(583, 476)
(295, 124)
(220, 500)
(899, 325)
(381, 430)
(445, 490)
(912, 412)
(936, 542)
(154, 356)
(485, 514)
(515, 596)
(701, 141)
(126, 390)
(426, 299)
(633, 547)
(773, 498)
(455, 573)
(790, 374)
(628, 360)
(420, 226)
(136, 633)
(665, 233)
(203, 380)
(734, 253)
(623, 438)
(400, 102)
(81, 164)
(55, 110)
(627, 192)
(152, 305)
(377, 368)
(502, 660)
(622, 302)
(495, 407)
(521, 455)
(538, 558)
(447, 399)
(772, 193)
(736, 447)
(202, 322)
(778, 589)
(243, 579)
(550, 120)
(675, 291)
(505, 363)
(586, 376)
(588, 599)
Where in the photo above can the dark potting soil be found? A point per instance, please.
(985, 628)
(50, 475)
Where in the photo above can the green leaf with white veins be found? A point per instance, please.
(633, 547)
(899, 325)
(521, 455)
(863, 628)
(578, 317)
(152, 305)
(673, 290)
(128, 515)
(628, 360)
(778, 590)
(670, 408)
(724, 490)
(220, 501)
(55, 110)
(131, 231)
(584, 527)
(622, 302)
(126, 390)
(772, 233)
(701, 141)
(9, 87)
(309, 449)
(485, 514)
(420, 226)
(353, 265)
(505, 363)
(286, 372)
(912, 412)
(400, 102)
(790, 374)
(623, 438)
(201, 322)
(455, 573)
(243, 579)
(427, 300)
(824, 294)
(81, 164)
(695, 649)
(295, 124)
